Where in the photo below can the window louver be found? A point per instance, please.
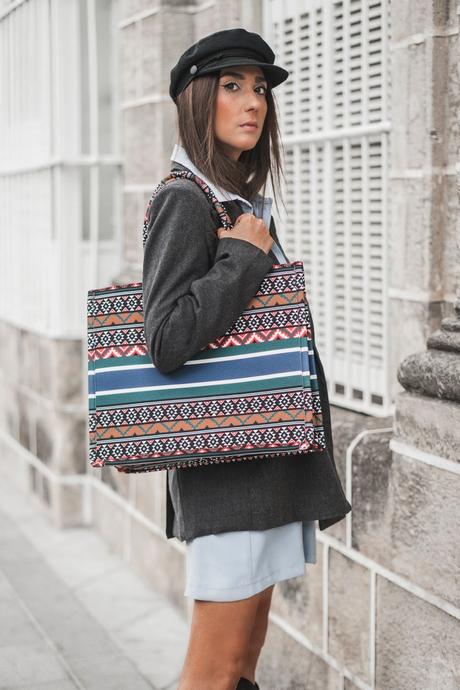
(333, 113)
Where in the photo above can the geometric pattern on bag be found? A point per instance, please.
(250, 394)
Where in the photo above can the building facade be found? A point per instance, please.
(370, 128)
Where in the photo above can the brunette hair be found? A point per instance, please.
(246, 176)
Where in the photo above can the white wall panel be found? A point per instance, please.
(58, 174)
(335, 132)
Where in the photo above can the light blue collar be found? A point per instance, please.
(261, 208)
(179, 155)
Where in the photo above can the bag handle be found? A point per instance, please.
(187, 174)
(220, 210)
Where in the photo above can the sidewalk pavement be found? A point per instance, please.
(74, 615)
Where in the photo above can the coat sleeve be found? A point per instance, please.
(194, 285)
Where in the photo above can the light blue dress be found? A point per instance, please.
(235, 565)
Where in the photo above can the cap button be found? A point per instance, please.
(193, 69)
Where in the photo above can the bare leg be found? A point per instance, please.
(220, 635)
(258, 635)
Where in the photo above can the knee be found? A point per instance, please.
(254, 648)
(258, 636)
(256, 643)
(227, 658)
(231, 669)
(221, 673)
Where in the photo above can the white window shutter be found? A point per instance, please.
(59, 170)
(333, 112)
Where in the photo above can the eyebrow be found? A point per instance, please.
(241, 76)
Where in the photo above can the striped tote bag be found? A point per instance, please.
(251, 393)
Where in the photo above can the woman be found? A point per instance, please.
(247, 524)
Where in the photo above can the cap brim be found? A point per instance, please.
(275, 75)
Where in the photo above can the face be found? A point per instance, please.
(241, 98)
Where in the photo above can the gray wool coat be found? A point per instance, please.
(195, 286)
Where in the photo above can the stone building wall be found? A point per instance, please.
(380, 608)
(354, 620)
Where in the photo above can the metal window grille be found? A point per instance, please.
(59, 175)
(333, 112)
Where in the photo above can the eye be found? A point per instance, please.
(231, 83)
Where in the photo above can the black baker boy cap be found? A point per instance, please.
(225, 49)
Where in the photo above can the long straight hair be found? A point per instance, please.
(196, 107)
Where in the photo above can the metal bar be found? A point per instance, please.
(328, 198)
(93, 142)
(83, 161)
(340, 133)
(11, 8)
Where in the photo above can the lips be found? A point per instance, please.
(249, 125)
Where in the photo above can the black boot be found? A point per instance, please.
(245, 684)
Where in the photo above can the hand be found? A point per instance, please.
(249, 227)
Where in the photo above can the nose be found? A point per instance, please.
(252, 100)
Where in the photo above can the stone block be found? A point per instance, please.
(411, 116)
(59, 369)
(14, 466)
(56, 436)
(452, 84)
(146, 197)
(349, 685)
(285, 664)
(445, 16)
(133, 214)
(429, 424)
(61, 440)
(371, 470)
(422, 17)
(28, 357)
(67, 503)
(299, 600)
(411, 17)
(438, 46)
(170, 135)
(10, 352)
(25, 432)
(181, 26)
(149, 160)
(349, 614)
(417, 644)
(161, 563)
(129, 60)
(129, 8)
(346, 425)
(410, 234)
(110, 519)
(118, 481)
(414, 322)
(226, 14)
(405, 517)
(142, 140)
(450, 245)
(439, 192)
(150, 496)
(9, 414)
(151, 43)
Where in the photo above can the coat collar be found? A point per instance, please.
(261, 206)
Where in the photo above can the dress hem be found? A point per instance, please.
(244, 591)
